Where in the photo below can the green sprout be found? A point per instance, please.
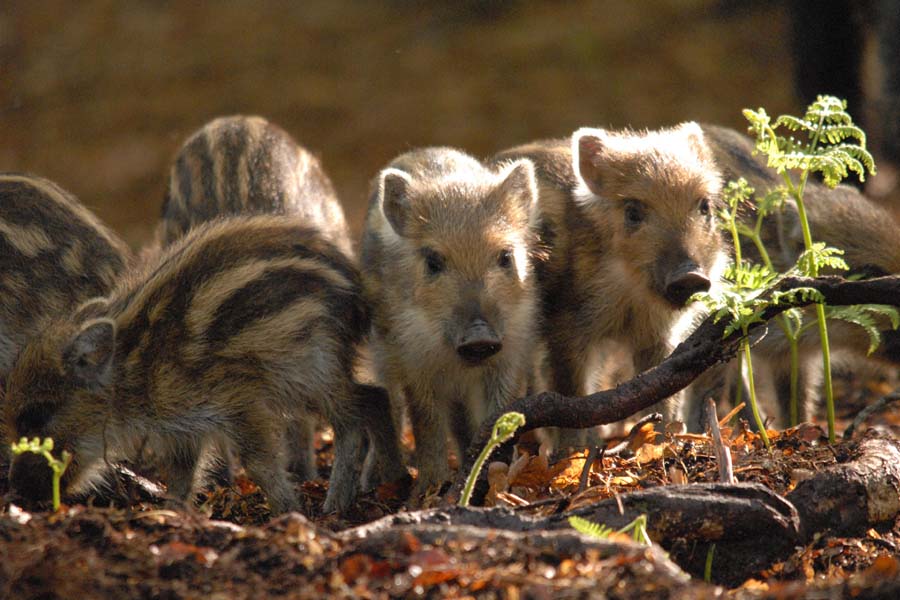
(45, 448)
(738, 193)
(707, 569)
(746, 290)
(637, 528)
(504, 429)
(834, 147)
(791, 321)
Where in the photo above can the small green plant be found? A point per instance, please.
(637, 529)
(747, 290)
(504, 428)
(45, 448)
(707, 569)
(790, 322)
(834, 147)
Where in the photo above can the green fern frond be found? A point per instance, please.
(772, 201)
(594, 530)
(818, 257)
(795, 295)
(834, 147)
(835, 134)
(794, 123)
(794, 317)
(737, 192)
(864, 315)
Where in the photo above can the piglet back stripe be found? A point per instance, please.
(276, 290)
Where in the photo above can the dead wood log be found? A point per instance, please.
(751, 526)
(849, 498)
(637, 571)
(704, 348)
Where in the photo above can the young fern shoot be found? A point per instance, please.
(791, 321)
(637, 528)
(740, 295)
(834, 147)
(504, 429)
(45, 448)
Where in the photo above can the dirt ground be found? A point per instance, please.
(131, 545)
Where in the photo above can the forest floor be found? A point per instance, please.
(228, 547)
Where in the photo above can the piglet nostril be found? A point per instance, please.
(479, 342)
(679, 289)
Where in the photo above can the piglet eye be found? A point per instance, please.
(634, 213)
(704, 207)
(504, 260)
(434, 262)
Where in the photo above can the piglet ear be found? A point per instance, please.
(89, 354)
(519, 190)
(588, 149)
(393, 191)
(694, 135)
(91, 309)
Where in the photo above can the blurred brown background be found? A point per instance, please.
(98, 95)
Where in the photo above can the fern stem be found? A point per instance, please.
(473, 474)
(785, 326)
(745, 345)
(56, 499)
(826, 360)
(797, 193)
(732, 228)
(805, 175)
(504, 428)
(707, 569)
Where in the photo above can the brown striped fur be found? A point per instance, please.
(447, 255)
(621, 214)
(246, 165)
(54, 255)
(243, 165)
(241, 326)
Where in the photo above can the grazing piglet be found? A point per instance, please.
(629, 221)
(241, 326)
(244, 165)
(54, 255)
(447, 264)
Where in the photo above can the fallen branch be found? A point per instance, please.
(751, 525)
(640, 570)
(868, 412)
(853, 496)
(704, 348)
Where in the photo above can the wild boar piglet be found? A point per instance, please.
(447, 262)
(237, 329)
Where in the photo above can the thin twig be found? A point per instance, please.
(724, 420)
(540, 503)
(867, 412)
(723, 454)
(586, 471)
(635, 430)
